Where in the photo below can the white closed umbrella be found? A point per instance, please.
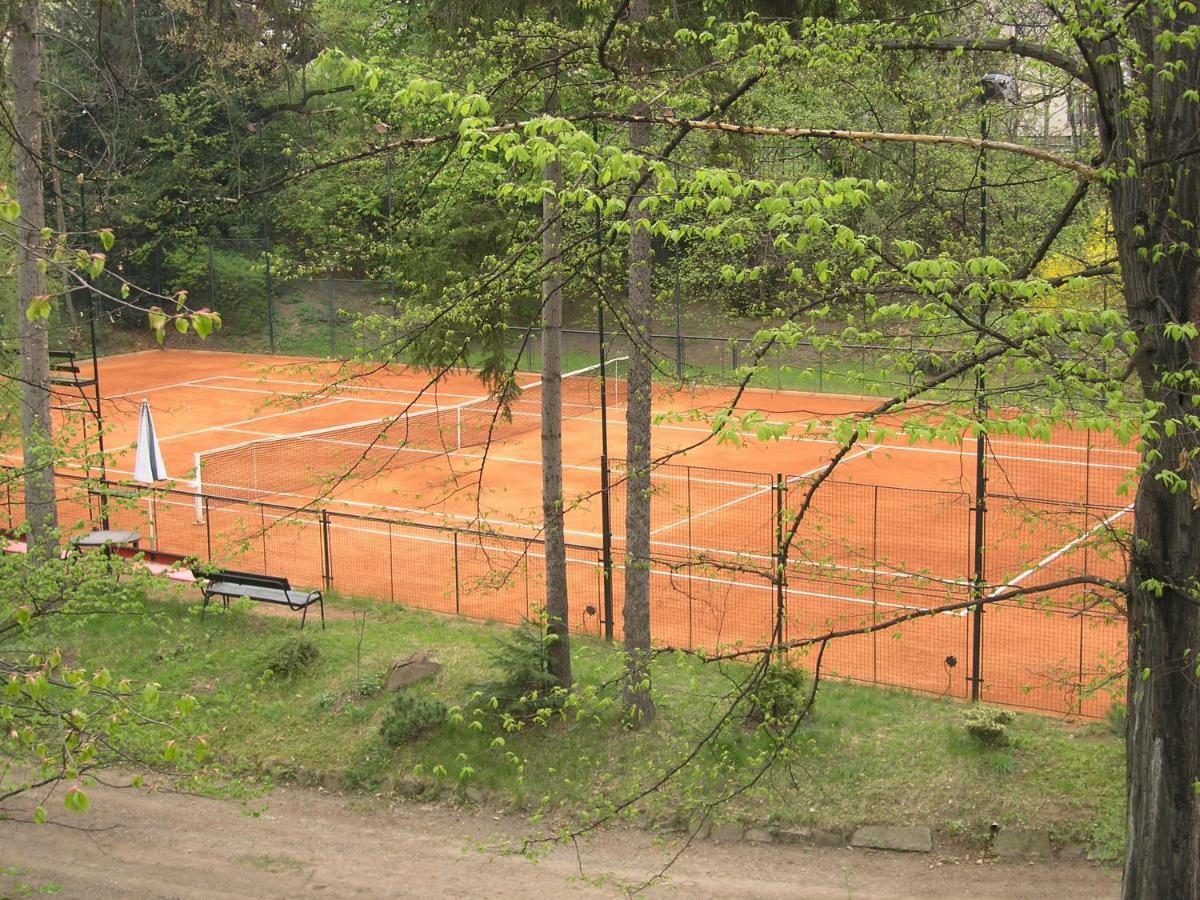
(148, 465)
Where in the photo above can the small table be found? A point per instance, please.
(107, 541)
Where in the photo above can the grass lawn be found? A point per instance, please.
(867, 755)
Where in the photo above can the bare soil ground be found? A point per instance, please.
(300, 843)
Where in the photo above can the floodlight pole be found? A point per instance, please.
(678, 321)
(981, 411)
(266, 233)
(606, 559)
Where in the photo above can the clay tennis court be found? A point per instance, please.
(455, 524)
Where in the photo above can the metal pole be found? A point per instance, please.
(326, 554)
(875, 583)
(605, 489)
(457, 580)
(980, 443)
(93, 307)
(691, 546)
(266, 232)
(780, 563)
(392, 566)
(207, 530)
(332, 320)
(678, 320)
(212, 277)
(267, 284)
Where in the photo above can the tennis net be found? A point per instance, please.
(301, 463)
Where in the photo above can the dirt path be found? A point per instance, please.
(296, 843)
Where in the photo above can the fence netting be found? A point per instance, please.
(733, 563)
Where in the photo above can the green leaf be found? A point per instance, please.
(76, 801)
(107, 239)
(39, 308)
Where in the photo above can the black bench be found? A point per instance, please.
(229, 585)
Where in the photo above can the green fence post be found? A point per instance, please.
(270, 301)
(212, 278)
(332, 319)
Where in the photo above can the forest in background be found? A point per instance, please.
(240, 159)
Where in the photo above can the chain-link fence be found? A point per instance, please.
(732, 565)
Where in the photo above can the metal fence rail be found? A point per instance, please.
(867, 554)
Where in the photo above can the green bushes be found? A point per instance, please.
(230, 278)
(989, 725)
(779, 696)
(293, 655)
(524, 688)
(411, 716)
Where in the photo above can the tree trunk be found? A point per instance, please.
(557, 601)
(1155, 199)
(639, 702)
(41, 514)
(1161, 743)
(1162, 749)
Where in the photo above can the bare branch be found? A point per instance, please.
(1012, 45)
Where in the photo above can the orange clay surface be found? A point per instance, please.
(894, 531)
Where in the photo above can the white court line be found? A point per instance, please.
(212, 428)
(1065, 548)
(407, 404)
(759, 493)
(528, 551)
(318, 384)
(417, 512)
(138, 392)
(533, 530)
(967, 440)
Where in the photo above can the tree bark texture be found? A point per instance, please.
(1155, 201)
(636, 612)
(557, 600)
(41, 514)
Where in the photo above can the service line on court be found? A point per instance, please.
(250, 421)
(402, 404)
(527, 551)
(384, 390)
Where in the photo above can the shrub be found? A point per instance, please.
(291, 656)
(524, 687)
(989, 725)
(779, 696)
(411, 716)
(366, 687)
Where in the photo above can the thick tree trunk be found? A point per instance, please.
(41, 515)
(1162, 741)
(1155, 199)
(1163, 732)
(636, 614)
(557, 601)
